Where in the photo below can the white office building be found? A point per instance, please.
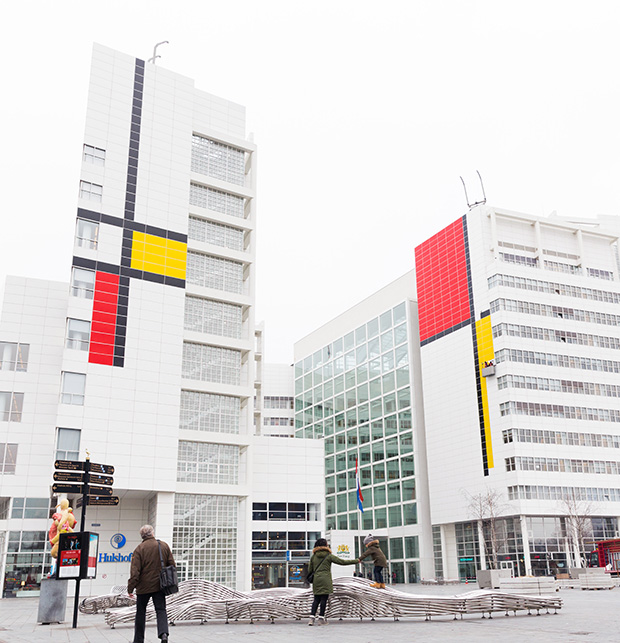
(146, 359)
(519, 327)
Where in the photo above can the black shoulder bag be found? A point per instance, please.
(310, 576)
(168, 580)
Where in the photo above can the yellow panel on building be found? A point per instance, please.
(160, 256)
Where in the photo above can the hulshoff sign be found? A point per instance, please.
(115, 558)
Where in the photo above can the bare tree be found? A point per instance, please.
(578, 518)
(487, 507)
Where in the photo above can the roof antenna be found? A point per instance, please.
(484, 196)
(155, 55)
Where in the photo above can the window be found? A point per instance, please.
(217, 200)
(94, 155)
(68, 444)
(216, 233)
(11, 405)
(218, 160)
(214, 317)
(8, 457)
(204, 462)
(73, 387)
(214, 272)
(13, 356)
(87, 234)
(78, 334)
(209, 412)
(91, 191)
(31, 508)
(277, 511)
(259, 512)
(83, 283)
(211, 364)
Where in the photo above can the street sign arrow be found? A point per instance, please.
(106, 469)
(99, 491)
(69, 465)
(68, 476)
(103, 501)
(67, 488)
(95, 478)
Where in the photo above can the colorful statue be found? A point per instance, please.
(64, 521)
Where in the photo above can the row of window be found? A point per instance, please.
(371, 519)
(72, 392)
(277, 402)
(570, 438)
(566, 465)
(559, 411)
(532, 262)
(355, 338)
(205, 462)
(377, 473)
(561, 386)
(552, 359)
(218, 160)
(211, 364)
(210, 412)
(271, 421)
(14, 356)
(378, 429)
(552, 335)
(216, 200)
(213, 317)
(379, 406)
(286, 511)
(215, 233)
(561, 312)
(553, 288)
(67, 448)
(367, 361)
(591, 494)
(284, 540)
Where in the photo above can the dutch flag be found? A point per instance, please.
(360, 498)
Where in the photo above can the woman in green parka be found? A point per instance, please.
(322, 585)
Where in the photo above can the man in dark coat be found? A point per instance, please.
(144, 579)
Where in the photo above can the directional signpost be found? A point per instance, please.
(94, 482)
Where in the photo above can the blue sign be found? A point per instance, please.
(115, 558)
(117, 541)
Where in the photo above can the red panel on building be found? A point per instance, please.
(103, 326)
(441, 275)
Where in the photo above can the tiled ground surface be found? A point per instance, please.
(587, 616)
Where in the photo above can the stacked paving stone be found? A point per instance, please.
(201, 600)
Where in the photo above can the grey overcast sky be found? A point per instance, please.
(365, 114)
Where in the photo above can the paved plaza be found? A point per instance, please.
(586, 616)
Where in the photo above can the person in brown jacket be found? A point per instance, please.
(144, 580)
(378, 558)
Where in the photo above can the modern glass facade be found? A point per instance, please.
(355, 394)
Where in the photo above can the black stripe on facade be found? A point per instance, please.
(483, 442)
(134, 141)
(120, 335)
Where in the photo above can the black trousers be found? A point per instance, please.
(319, 600)
(159, 602)
(378, 572)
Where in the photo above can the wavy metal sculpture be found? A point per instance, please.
(202, 600)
